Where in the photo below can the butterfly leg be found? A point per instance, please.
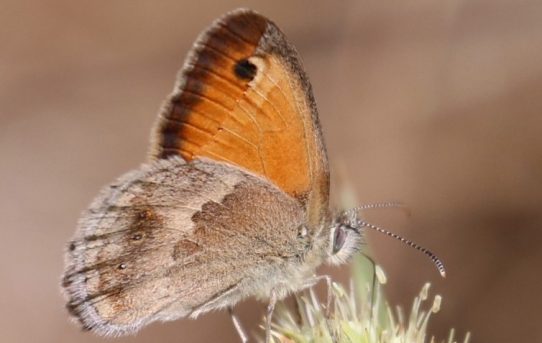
(314, 280)
(273, 301)
(270, 310)
(238, 326)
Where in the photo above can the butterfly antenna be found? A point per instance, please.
(438, 263)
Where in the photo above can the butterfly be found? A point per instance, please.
(233, 201)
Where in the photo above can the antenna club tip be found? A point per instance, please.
(443, 274)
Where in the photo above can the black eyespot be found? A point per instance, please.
(339, 237)
(122, 266)
(72, 246)
(245, 69)
(137, 236)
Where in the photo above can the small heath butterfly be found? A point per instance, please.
(233, 201)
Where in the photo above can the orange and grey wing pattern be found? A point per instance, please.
(242, 97)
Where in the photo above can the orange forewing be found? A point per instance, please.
(243, 98)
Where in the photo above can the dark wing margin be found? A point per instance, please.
(243, 97)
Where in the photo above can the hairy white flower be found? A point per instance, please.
(357, 315)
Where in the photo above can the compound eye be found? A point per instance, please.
(339, 237)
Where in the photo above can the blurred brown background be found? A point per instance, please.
(434, 103)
